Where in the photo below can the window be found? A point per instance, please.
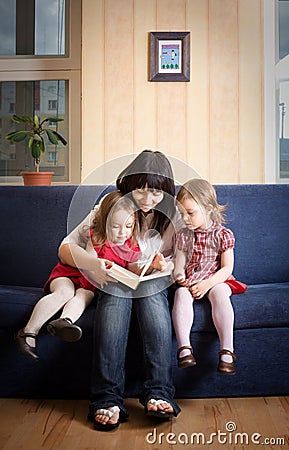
(52, 156)
(276, 92)
(283, 19)
(32, 27)
(32, 96)
(40, 73)
(52, 104)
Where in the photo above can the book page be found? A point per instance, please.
(146, 266)
(133, 280)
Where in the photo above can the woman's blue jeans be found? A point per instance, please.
(111, 328)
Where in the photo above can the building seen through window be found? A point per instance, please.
(283, 89)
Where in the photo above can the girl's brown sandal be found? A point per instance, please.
(188, 360)
(227, 368)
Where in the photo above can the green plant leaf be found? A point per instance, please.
(17, 136)
(30, 142)
(59, 137)
(36, 137)
(52, 119)
(35, 151)
(51, 136)
(19, 119)
(42, 145)
(36, 121)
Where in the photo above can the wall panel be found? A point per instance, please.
(214, 122)
(198, 98)
(93, 101)
(250, 92)
(118, 73)
(224, 112)
(145, 110)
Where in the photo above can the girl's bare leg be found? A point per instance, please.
(74, 308)
(62, 290)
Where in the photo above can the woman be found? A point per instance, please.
(148, 181)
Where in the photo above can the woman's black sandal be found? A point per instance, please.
(159, 414)
(25, 348)
(188, 360)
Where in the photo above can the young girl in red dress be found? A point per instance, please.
(204, 265)
(112, 236)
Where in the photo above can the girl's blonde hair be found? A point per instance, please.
(110, 204)
(205, 195)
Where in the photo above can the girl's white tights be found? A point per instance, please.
(222, 314)
(63, 295)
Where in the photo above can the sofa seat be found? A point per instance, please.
(261, 306)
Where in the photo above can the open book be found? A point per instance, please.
(132, 280)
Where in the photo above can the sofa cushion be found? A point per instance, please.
(258, 215)
(17, 303)
(260, 306)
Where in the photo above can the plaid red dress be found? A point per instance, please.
(203, 249)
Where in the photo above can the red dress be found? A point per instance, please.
(120, 254)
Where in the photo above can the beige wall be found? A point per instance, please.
(214, 122)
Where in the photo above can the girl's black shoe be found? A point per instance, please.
(25, 348)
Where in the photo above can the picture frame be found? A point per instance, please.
(169, 56)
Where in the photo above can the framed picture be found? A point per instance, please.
(169, 56)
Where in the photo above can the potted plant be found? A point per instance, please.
(36, 133)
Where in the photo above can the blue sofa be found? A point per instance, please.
(33, 222)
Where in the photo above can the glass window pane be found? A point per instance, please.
(283, 28)
(49, 27)
(284, 129)
(32, 27)
(7, 28)
(46, 99)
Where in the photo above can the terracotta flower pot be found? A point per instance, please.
(37, 178)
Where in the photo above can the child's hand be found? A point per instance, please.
(199, 289)
(159, 262)
(100, 272)
(180, 279)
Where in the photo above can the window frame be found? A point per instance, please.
(275, 71)
(64, 67)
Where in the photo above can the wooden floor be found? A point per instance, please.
(203, 423)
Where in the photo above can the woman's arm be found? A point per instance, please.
(72, 241)
(72, 253)
(226, 269)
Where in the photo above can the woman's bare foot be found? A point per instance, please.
(108, 415)
(160, 409)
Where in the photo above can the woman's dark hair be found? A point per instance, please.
(153, 170)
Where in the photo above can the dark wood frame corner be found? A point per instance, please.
(155, 37)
